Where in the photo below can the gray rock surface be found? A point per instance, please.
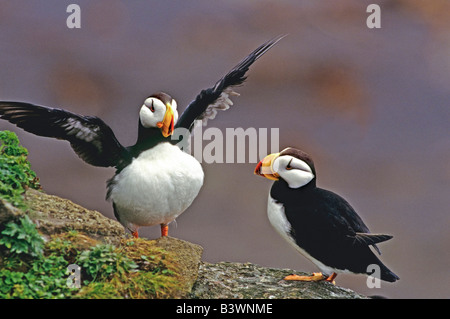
(245, 280)
(53, 214)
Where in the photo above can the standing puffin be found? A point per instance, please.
(319, 224)
(155, 181)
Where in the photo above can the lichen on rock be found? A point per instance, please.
(53, 214)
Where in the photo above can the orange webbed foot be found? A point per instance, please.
(316, 276)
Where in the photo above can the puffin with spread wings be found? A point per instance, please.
(155, 181)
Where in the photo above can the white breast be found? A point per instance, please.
(156, 187)
(277, 217)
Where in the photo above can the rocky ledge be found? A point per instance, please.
(179, 264)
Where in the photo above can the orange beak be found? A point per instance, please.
(167, 124)
(265, 167)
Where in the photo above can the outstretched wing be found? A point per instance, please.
(209, 101)
(89, 136)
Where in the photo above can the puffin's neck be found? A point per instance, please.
(282, 192)
(147, 138)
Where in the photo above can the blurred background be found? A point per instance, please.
(370, 105)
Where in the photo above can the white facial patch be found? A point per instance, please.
(152, 112)
(174, 105)
(293, 170)
(175, 112)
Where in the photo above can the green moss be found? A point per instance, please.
(159, 275)
(154, 274)
(138, 285)
(15, 171)
(101, 262)
(133, 269)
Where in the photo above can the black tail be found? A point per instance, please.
(388, 275)
(380, 271)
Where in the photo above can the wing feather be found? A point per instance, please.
(89, 136)
(350, 223)
(218, 98)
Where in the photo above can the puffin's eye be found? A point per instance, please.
(289, 167)
(152, 108)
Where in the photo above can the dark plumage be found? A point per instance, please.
(92, 139)
(196, 109)
(321, 223)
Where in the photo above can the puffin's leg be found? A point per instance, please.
(135, 233)
(331, 278)
(164, 230)
(316, 276)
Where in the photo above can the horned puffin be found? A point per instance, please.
(155, 181)
(318, 223)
